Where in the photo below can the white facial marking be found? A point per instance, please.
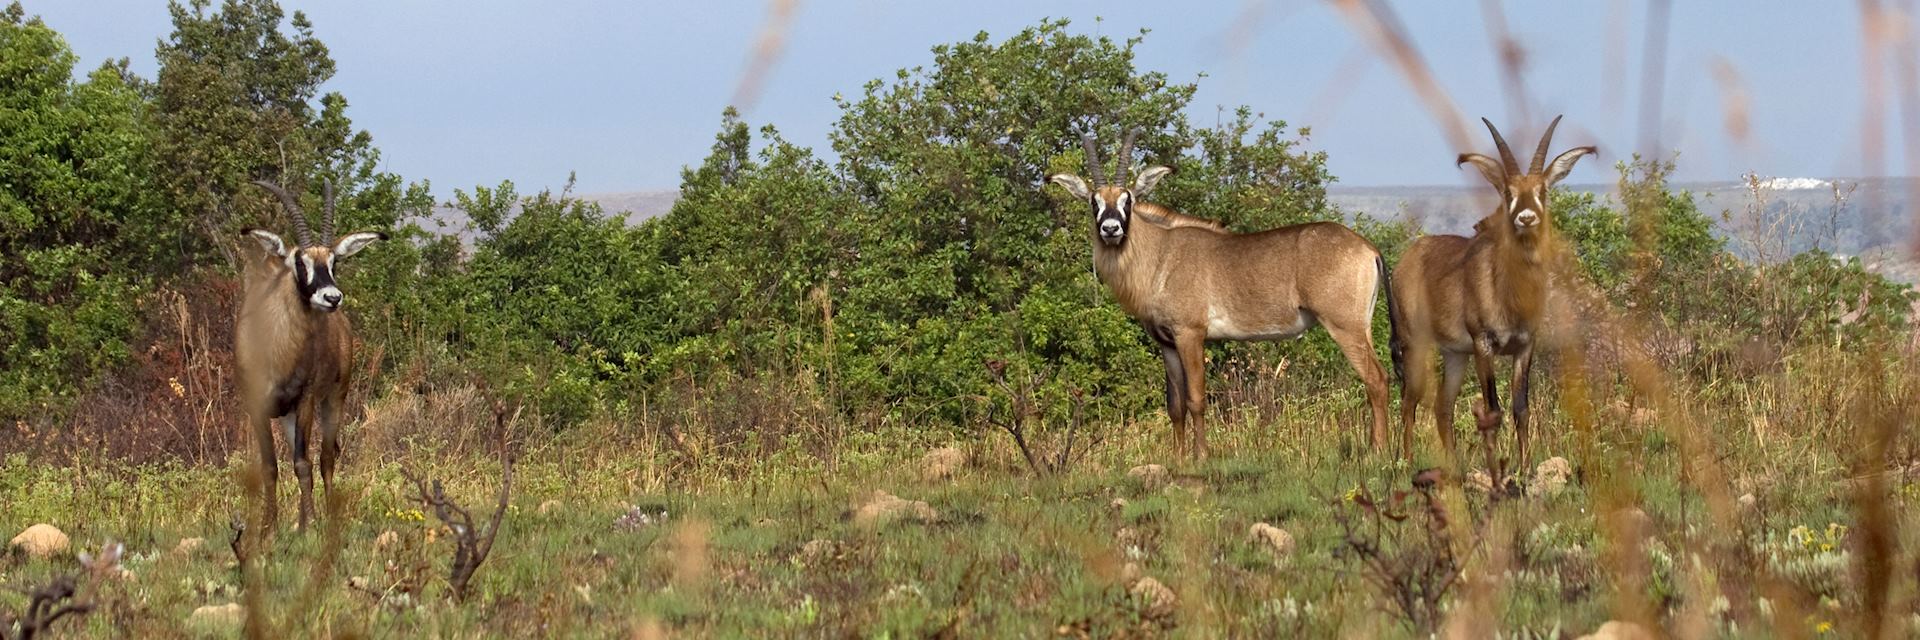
(1110, 228)
(1526, 218)
(325, 298)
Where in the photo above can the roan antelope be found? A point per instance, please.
(293, 349)
(1188, 281)
(1480, 297)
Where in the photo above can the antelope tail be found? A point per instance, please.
(1396, 344)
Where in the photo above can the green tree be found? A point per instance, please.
(80, 228)
(235, 101)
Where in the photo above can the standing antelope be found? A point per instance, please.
(292, 348)
(1187, 281)
(1481, 296)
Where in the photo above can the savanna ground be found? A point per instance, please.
(1006, 552)
(1735, 428)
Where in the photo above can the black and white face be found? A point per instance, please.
(313, 273)
(1527, 206)
(1112, 206)
(1112, 215)
(312, 267)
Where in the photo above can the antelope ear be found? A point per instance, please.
(354, 242)
(1490, 169)
(1563, 164)
(1074, 185)
(1149, 178)
(268, 241)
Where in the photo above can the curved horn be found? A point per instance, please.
(1123, 165)
(326, 191)
(1506, 155)
(293, 211)
(1540, 154)
(1093, 159)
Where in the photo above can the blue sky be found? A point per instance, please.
(627, 93)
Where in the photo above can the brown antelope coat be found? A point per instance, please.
(293, 349)
(1479, 297)
(1187, 282)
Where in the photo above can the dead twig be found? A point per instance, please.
(472, 544)
(46, 605)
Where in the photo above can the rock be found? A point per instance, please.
(227, 615)
(1643, 416)
(1184, 489)
(1118, 504)
(1632, 521)
(902, 593)
(1479, 482)
(1747, 502)
(187, 546)
(1429, 478)
(881, 508)
(942, 463)
(817, 550)
(1150, 476)
(637, 518)
(547, 507)
(1550, 477)
(1159, 599)
(386, 540)
(1272, 538)
(359, 583)
(1617, 630)
(40, 541)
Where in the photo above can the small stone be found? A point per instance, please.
(1118, 504)
(942, 463)
(226, 615)
(881, 508)
(1643, 416)
(1150, 476)
(637, 518)
(1618, 630)
(187, 546)
(1479, 482)
(547, 507)
(358, 583)
(1747, 502)
(1159, 599)
(40, 541)
(900, 593)
(1272, 538)
(817, 550)
(1633, 521)
(1550, 477)
(386, 540)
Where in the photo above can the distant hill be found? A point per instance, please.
(634, 206)
(1875, 218)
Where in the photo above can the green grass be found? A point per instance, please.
(1010, 554)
